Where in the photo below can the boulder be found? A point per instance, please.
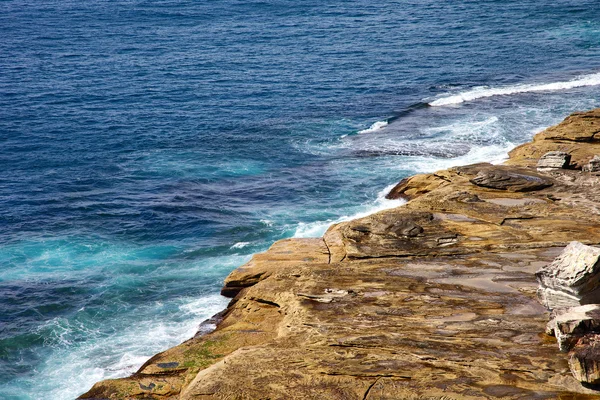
(571, 324)
(584, 360)
(593, 165)
(554, 160)
(572, 279)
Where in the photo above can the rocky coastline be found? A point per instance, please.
(436, 299)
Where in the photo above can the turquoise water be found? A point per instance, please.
(150, 147)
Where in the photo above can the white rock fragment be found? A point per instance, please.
(554, 160)
(572, 279)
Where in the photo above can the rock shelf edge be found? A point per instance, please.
(435, 299)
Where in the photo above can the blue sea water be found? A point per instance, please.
(147, 148)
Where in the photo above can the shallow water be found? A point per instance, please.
(150, 147)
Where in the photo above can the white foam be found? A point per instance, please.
(240, 245)
(485, 91)
(467, 130)
(75, 367)
(318, 228)
(494, 154)
(375, 127)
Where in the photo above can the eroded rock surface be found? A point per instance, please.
(432, 300)
(584, 359)
(554, 159)
(571, 324)
(593, 165)
(571, 279)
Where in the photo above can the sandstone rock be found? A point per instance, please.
(571, 324)
(554, 160)
(584, 359)
(577, 127)
(593, 165)
(496, 178)
(415, 186)
(576, 135)
(282, 254)
(434, 299)
(572, 279)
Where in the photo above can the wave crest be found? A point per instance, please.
(485, 91)
(375, 127)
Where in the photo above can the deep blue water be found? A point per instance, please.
(147, 148)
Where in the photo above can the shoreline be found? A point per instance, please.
(451, 234)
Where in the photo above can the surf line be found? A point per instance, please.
(485, 91)
(382, 124)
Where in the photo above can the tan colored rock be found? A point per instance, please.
(282, 254)
(514, 181)
(573, 278)
(584, 360)
(577, 135)
(435, 299)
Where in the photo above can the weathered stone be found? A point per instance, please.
(570, 324)
(572, 279)
(554, 160)
(584, 359)
(593, 165)
(434, 299)
(501, 179)
(576, 135)
(282, 254)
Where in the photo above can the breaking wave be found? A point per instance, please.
(485, 91)
(375, 127)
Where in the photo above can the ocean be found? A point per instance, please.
(147, 148)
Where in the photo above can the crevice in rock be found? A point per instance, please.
(328, 251)
(369, 389)
(263, 301)
(442, 178)
(378, 376)
(514, 219)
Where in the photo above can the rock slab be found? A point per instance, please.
(571, 324)
(554, 160)
(510, 181)
(593, 165)
(572, 279)
(584, 360)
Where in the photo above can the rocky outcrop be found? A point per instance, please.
(584, 360)
(571, 279)
(593, 165)
(577, 136)
(554, 159)
(510, 179)
(435, 299)
(571, 324)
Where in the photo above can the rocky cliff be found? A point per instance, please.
(432, 300)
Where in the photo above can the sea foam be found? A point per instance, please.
(375, 127)
(318, 228)
(485, 91)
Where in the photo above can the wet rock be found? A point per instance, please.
(571, 324)
(584, 360)
(502, 179)
(554, 160)
(593, 165)
(572, 279)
